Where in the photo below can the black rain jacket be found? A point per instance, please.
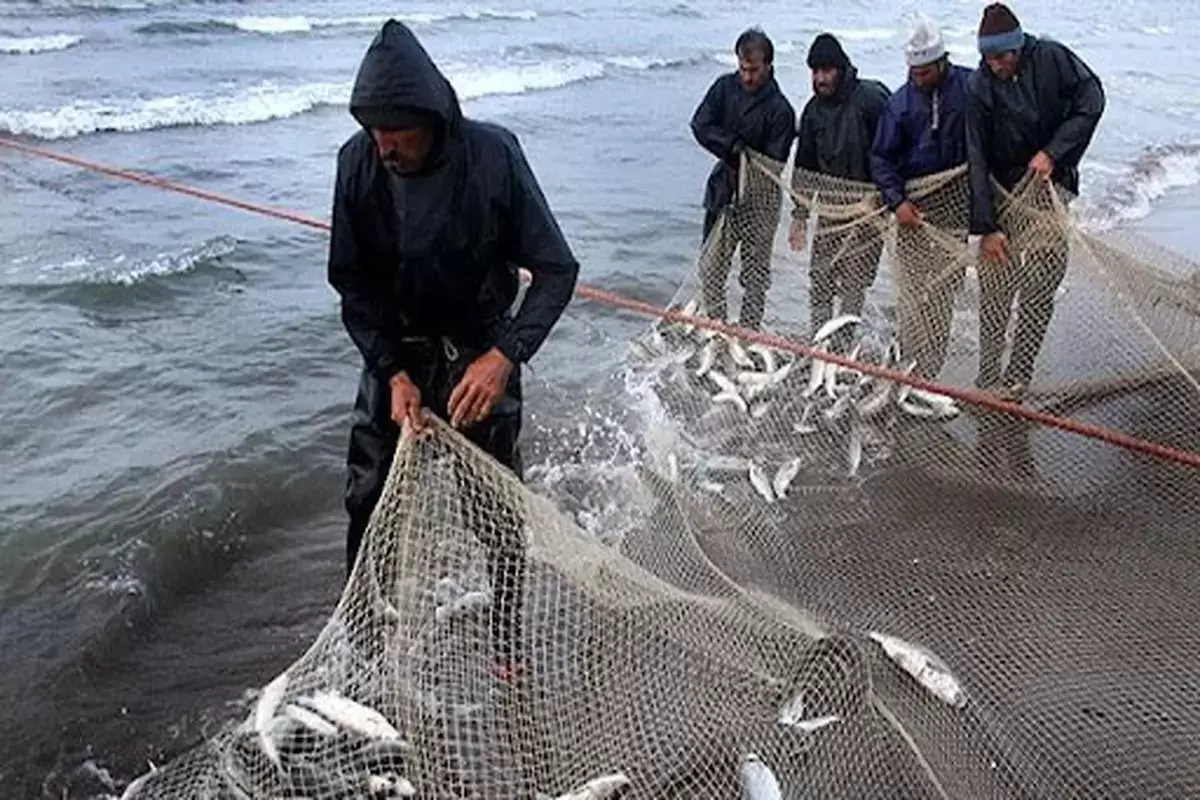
(436, 254)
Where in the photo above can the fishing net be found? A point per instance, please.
(844, 581)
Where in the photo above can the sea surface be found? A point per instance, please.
(175, 383)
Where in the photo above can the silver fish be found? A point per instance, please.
(905, 388)
(351, 715)
(708, 355)
(732, 397)
(314, 722)
(803, 426)
(740, 357)
(598, 788)
(723, 383)
(831, 378)
(391, 784)
(856, 448)
(760, 409)
(784, 477)
(839, 407)
(761, 483)
(816, 376)
(792, 715)
(928, 670)
(833, 326)
(916, 410)
(939, 401)
(672, 468)
(758, 781)
(712, 486)
(264, 712)
(766, 354)
(877, 401)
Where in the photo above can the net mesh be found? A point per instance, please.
(841, 586)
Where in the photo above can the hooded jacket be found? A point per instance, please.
(730, 118)
(436, 253)
(836, 133)
(1052, 103)
(920, 133)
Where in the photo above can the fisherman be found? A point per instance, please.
(837, 129)
(922, 132)
(743, 110)
(433, 214)
(1033, 107)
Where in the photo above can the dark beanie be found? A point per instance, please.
(826, 51)
(999, 30)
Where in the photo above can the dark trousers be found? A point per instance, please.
(1031, 276)
(752, 227)
(373, 441)
(844, 264)
(929, 273)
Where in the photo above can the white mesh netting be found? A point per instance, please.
(843, 586)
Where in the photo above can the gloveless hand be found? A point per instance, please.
(480, 389)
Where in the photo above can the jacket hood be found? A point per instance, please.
(397, 78)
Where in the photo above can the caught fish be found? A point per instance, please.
(905, 388)
(758, 780)
(817, 375)
(833, 326)
(734, 398)
(876, 401)
(761, 483)
(712, 486)
(305, 718)
(792, 715)
(740, 357)
(708, 356)
(839, 407)
(831, 378)
(672, 468)
(391, 784)
(784, 477)
(723, 383)
(934, 399)
(803, 426)
(915, 409)
(598, 788)
(766, 354)
(928, 670)
(351, 715)
(856, 448)
(760, 409)
(264, 712)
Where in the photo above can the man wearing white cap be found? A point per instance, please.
(922, 131)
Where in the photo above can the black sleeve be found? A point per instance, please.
(983, 216)
(366, 318)
(780, 132)
(706, 123)
(1084, 98)
(541, 248)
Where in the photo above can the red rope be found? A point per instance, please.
(969, 396)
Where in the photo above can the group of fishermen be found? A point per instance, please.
(1031, 106)
(434, 214)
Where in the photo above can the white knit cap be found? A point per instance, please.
(925, 44)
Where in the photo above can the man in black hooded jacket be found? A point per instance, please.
(433, 215)
(1032, 107)
(837, 130)
(743, 110)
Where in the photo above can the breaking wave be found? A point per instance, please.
(32, 45)
(287, 25)
(267, 101)
(117, 270)
(1129, 193)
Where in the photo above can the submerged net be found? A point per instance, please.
(841, 585)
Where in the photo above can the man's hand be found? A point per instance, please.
(406, 402)
(1042, 165)
(480, 388)
(994, 248)
(797, 235)
(908, 215)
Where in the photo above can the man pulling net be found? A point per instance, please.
(432, 215)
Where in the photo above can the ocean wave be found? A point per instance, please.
(288, 25)
(92, 269)
(32, 45)
(1131, 192)
(267, 101)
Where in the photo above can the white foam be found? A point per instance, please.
(31, 45)
(1136, 189)
(267, 101)
(280, 25)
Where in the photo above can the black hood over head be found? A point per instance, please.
(398, 86)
